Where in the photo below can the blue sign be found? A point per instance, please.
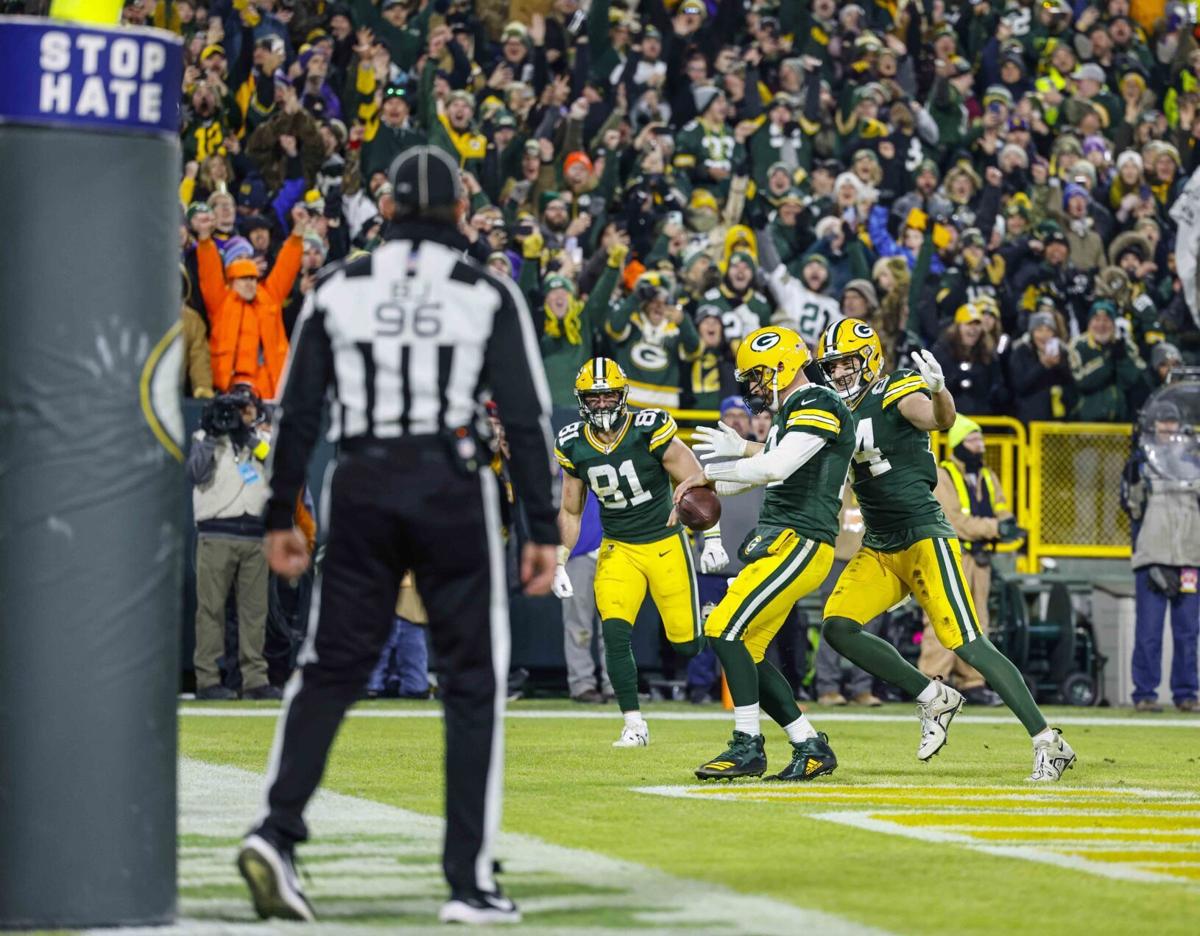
(60, 74)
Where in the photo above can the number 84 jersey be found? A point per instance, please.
(893, 469)
(627, 476)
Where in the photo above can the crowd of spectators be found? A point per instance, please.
(993, 180)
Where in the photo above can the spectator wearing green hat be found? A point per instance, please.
(1110, 375)
(652, 339)
(741, 307)
(569, 326)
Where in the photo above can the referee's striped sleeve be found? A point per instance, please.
(513, 370)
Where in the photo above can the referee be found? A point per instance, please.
(407, 344)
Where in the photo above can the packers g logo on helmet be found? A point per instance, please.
(854, 341)
(601, 375)
(768, 359)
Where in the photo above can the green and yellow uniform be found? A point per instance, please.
(790, 551)
(639, 551)
(909, 546)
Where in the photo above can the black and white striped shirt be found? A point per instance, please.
(406, 342)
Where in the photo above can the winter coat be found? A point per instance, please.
(246, 339)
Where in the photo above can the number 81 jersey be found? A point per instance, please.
(893, 469)
(627, 476)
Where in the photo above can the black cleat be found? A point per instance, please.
(270, 873)
(743, 758)
(811, 758)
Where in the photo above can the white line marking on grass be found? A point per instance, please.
(370, 862)
(931, 789)
(1043, 855)
(1085, 721)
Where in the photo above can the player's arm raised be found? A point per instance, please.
(936, 412)
(574, 493)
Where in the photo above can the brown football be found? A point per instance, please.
(699, 508)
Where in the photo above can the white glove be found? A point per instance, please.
(718, 442)
(562, 586)
(714, 558)
(930, 370)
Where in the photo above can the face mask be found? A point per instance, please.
(972, 461)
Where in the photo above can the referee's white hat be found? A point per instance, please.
(424, 177)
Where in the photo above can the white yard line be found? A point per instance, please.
(199, 711)
(371, 860)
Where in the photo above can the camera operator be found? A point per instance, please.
(1159, 491)
(227, 467)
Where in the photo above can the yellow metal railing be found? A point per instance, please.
(1074, 491)
(1062, 481)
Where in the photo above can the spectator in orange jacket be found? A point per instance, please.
(246, 334)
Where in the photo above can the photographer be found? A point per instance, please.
(227, 466)
(1159, 492)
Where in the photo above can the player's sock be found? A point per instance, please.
(1046, 734)
(634, 719)
(689, 648)
(1005, 679)
(622, 670)
(776, 696)
(740, 671)
(876, 656)
(800, 730)
(745, 719)
(929, 693)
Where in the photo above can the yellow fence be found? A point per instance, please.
(1074, 490)
(1063, 481)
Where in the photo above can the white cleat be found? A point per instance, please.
(935, 720)
(633, 737)
(1051, 759)
(481, 909)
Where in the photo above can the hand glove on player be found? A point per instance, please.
(714, 443)
(930, 370)
(562, 586)
(714, 558)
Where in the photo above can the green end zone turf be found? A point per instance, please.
(961, 845)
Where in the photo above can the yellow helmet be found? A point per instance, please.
(770, 358)
(601, 375)
(856, 341)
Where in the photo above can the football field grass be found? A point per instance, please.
(599, 840)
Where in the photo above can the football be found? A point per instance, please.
(699, 509)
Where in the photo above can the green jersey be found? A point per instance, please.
(894, 472)
(810, 499)
(627, 476)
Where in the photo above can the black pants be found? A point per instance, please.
(393, 508)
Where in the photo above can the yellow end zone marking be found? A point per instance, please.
(1101, 831)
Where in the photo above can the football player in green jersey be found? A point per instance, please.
(803, 464)
(909, 547)
(628, 460)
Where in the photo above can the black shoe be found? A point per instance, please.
(478, 908)
(811, 758)
(270, 873)
(982, 695)
(263, 693)
(589, 697)
(743, 758)
(216, 693)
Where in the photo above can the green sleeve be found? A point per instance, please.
(815, 414)
(689, 338)
(593, 309)
(1090, 377)
(527, 280)
(616, 325)
(916, 285)
(597, 28)
(860, 265)
(427, 115)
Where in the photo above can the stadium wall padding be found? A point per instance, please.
(90, 527)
